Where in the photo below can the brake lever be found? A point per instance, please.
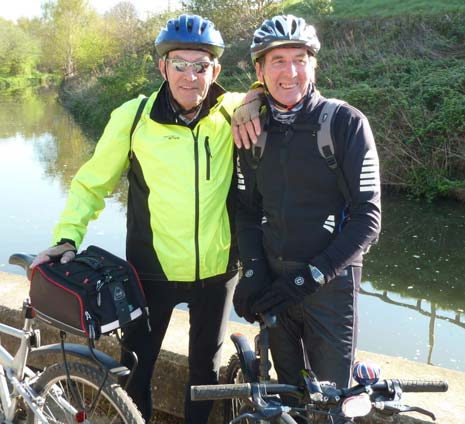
(399, 407)
(266, 414)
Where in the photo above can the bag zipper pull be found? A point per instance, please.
(90, 324)
(98, 287)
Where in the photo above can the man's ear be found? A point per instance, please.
(258, 71)
(313, 66)
(216, 71)
(162, 68)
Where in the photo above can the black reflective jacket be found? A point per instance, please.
(290, 206)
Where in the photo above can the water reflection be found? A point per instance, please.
(421, 252)
(416, 272)
(413, 297)
(40, 150)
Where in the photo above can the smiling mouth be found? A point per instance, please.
(288, 86)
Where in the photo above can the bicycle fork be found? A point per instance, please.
(36, 402)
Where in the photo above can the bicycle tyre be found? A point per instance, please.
(114, 404)
(231, 407)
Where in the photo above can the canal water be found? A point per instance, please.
(413, 291)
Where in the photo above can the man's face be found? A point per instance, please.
(287, 73)
(189, 74)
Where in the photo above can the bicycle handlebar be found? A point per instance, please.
(241, 390)
(245, 390)
(412, 385)
(24, 260)
(269, 319)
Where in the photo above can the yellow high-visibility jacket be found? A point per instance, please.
(180, 200)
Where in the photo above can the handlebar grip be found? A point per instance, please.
(411, 385)
(221, 391)
(24, 260)
(423, 386)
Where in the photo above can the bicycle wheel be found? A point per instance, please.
(113, 404)
(234, 407)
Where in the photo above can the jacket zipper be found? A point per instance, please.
(208, 155)
(283, 159)
(196, 213)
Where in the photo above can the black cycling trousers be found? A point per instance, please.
(209, 303)
(320, 333)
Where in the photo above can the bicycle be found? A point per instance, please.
(82, 391)
(250, 396)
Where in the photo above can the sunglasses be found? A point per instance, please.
(181, 65)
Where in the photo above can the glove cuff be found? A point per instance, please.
(64, 241)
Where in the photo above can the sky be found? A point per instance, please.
(12, 10)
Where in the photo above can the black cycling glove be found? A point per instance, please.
(255, 281)
(286, 291)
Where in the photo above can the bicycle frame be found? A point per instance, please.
(13, 369)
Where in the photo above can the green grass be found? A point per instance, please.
(360, 9)
(392, 8)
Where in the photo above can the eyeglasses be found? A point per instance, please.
(181, 65)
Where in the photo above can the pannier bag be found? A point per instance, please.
(94, 294)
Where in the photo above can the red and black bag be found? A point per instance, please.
(94, 294)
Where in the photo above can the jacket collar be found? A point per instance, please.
(313, 99)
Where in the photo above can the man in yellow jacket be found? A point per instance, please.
(179, 217)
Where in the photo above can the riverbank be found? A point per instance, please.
(171, 372)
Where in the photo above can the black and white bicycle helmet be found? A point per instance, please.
(189, 32)
(284, 30)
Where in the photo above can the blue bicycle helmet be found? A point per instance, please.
(284, 31)
(189, 32)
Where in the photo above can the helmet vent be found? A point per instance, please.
(285, 30)
(294, 27)
(280, 29)
(189, 32)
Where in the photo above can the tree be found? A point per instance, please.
(123, 27)
(68, 21)
(18, 52)
(236, 20)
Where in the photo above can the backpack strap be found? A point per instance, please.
(137, 116)
(325, 142)
(225, 114)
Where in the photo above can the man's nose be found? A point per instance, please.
(190, 74)
(291, 68)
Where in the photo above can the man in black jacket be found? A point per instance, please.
(301, 238)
